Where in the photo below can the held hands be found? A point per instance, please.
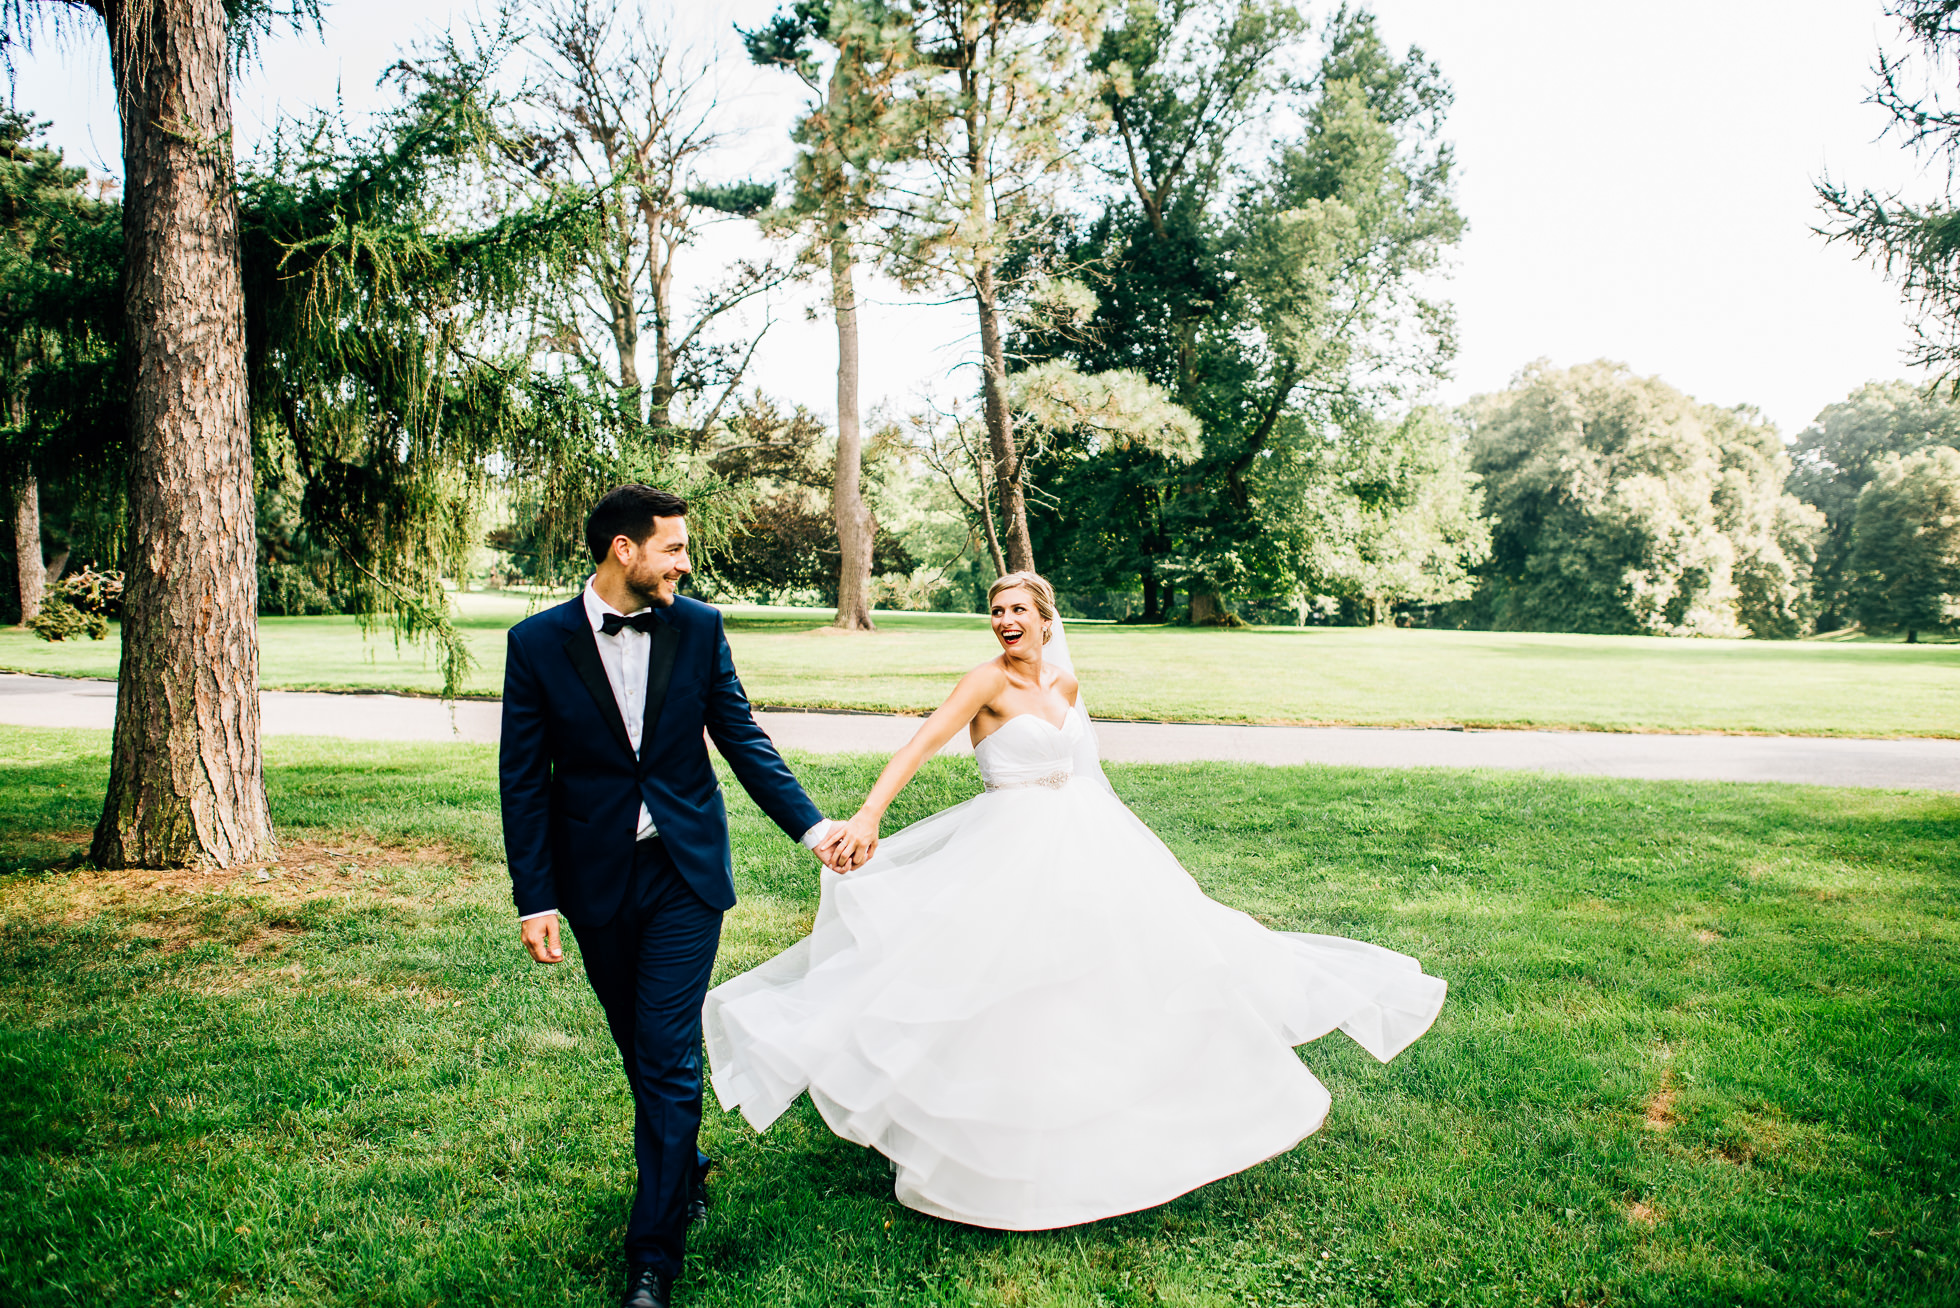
(850, 844)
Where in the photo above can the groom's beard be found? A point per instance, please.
(648, 583)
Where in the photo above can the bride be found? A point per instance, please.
(1024, 1002)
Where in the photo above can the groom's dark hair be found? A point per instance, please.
(628, 511)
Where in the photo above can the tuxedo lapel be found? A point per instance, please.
(660, 670)
(582, 647)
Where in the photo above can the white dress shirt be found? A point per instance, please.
(625, 654)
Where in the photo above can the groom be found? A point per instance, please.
(614, 820)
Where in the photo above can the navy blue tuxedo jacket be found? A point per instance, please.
(572, 786)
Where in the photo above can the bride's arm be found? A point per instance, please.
(976, 689)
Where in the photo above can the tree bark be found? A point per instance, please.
(855, 527)
(988, 531)
(624, 308)
(1208, 609)
(186, 779)
(27, 549)
(661, 404)
(1000, 423)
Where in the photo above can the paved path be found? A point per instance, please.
(1812, 760)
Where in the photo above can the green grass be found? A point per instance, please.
(1384, 677)
(1699, 1049)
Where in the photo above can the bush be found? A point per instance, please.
(61, 620)
(79, 606)
(98, 594)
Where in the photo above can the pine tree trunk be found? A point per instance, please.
(27, 549)
(186, 781)
(990, 534)
(1000, 423)
(855, 527)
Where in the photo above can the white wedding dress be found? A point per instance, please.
(1030, 1008)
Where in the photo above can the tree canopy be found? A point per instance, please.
(1260, 255)
(1203, 241)
(1906, 544)
(1618, 504)
(1837, 456)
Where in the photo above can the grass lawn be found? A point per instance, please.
(789, 657)
(1699, 1048)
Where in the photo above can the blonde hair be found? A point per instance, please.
(1037, 588)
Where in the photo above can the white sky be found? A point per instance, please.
(1637, 182)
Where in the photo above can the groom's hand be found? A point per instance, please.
(850, 844)
(541, 938)
(827, 848)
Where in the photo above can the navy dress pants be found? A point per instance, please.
(650, 967)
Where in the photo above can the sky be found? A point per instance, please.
(1638, 183)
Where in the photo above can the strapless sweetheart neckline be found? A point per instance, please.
(1067, 718)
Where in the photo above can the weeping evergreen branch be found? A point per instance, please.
(391, 288)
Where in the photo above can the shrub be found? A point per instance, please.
(61, 620)
(95, 593)
(79, 606)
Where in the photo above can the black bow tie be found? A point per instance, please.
(642, 622)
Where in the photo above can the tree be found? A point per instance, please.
(60, 261)
(1394, 517)
(844, 139)
(1906, 544)
(396, 360)
(186, 780)
(405, 369)
(618, 114)
(1618, 504)
(787, 539)
(995, 94)
(1916, 243)
(1272, 286)
(1837, 456)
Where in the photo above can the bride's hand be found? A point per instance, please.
(856, 843)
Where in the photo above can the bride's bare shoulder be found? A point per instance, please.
(1066, 685)
(986, 680)
(990, 673)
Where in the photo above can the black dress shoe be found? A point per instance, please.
(646, 1287)
(697, 1194)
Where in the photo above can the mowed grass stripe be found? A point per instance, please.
(1370, 676)
(1699, 1048)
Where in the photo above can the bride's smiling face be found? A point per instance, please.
(1017, 623)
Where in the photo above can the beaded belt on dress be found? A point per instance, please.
(1054, 781)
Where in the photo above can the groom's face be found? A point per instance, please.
(655, 569)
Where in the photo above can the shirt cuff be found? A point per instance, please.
(814, 836)
(549, 912)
